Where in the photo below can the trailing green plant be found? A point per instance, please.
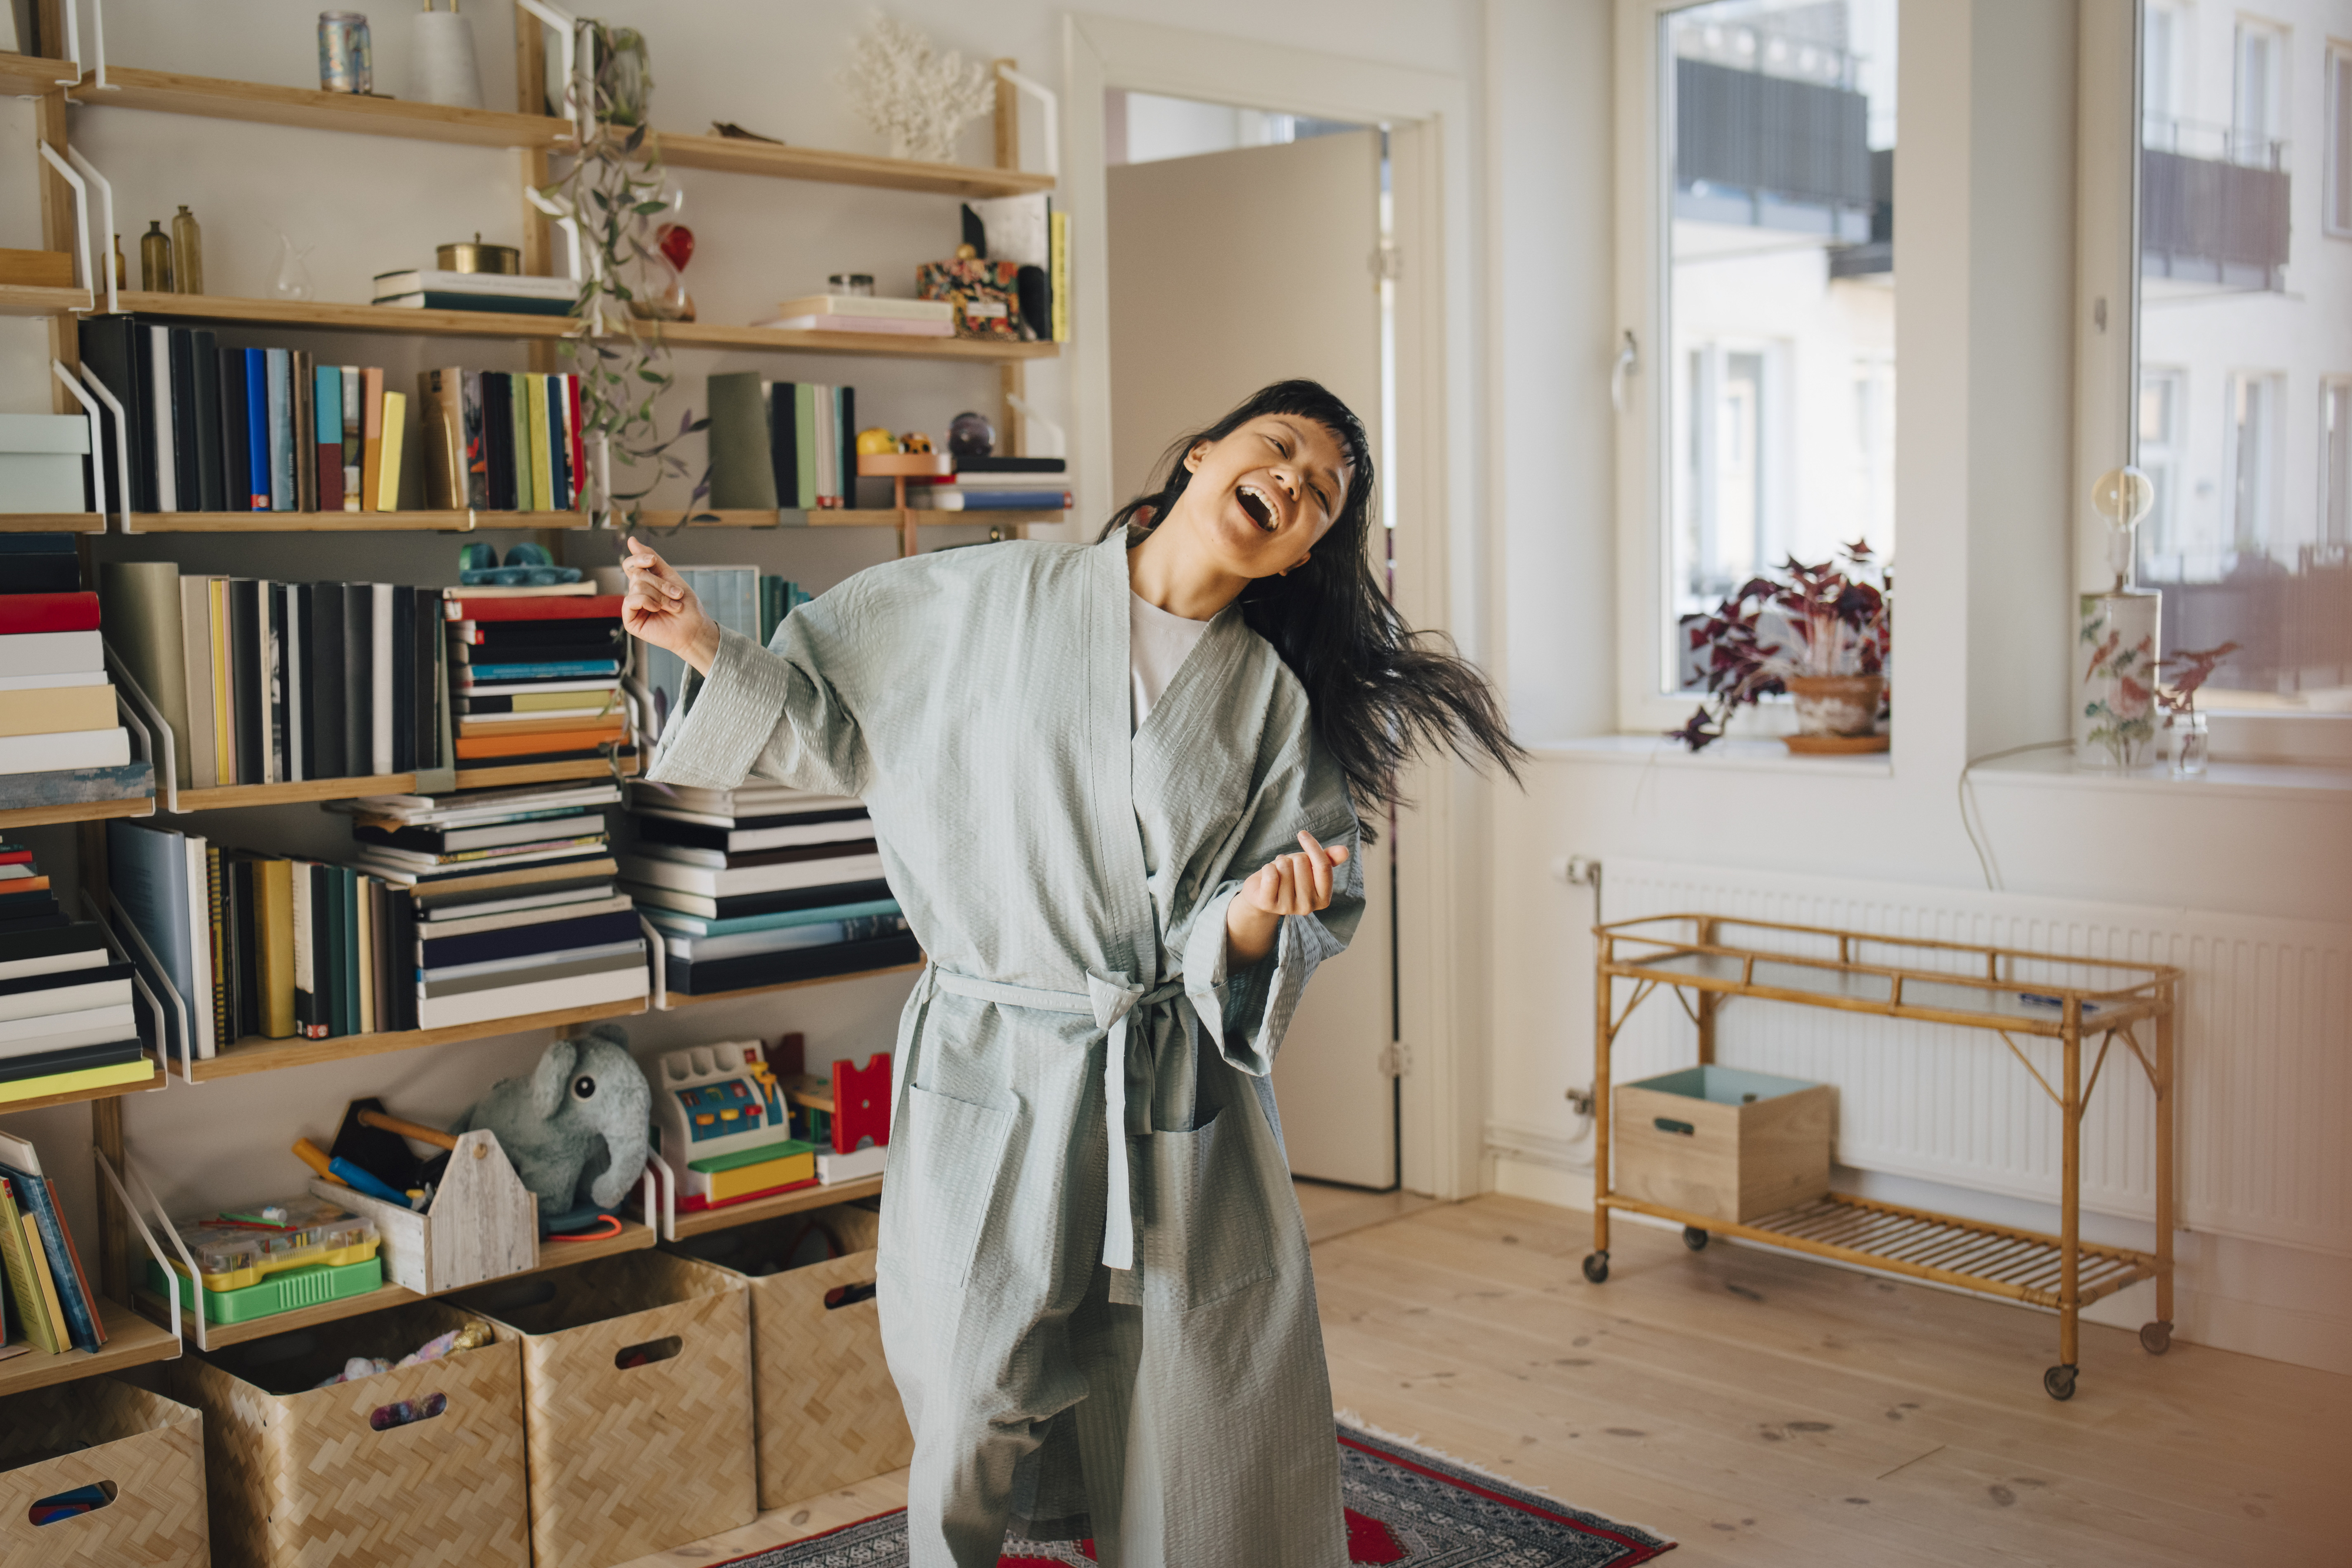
(613, 189)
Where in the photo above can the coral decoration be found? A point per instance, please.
(920, 99)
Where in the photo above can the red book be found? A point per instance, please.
(579, 450)
(559, 607)
(21, 613)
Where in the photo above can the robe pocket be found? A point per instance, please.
(1207, 1232)
(943, 1175)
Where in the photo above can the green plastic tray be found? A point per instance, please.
(280, 1292)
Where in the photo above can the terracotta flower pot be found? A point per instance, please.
(1836, 705)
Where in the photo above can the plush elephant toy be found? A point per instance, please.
(576, 1129)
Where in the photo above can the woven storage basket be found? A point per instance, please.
(150, 1449)
(630, 1461)
(302, 1480)
(828, 1411)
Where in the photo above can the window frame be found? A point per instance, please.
(2336, 153)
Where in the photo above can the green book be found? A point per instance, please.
(525, 442)
(742, 471)
(347, 906)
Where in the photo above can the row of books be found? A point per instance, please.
(781, 444)
(67, 1021)
(46, 1304)
(759, 886)
(269, 683)
(865, 313)
(501, 442)
(208, 428)
(56, 706)
(996, 484)
(535, 673)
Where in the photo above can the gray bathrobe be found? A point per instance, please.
(1099, 1335)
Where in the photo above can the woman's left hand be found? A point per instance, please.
(1289, 884)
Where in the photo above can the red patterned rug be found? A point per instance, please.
(1404, 1507)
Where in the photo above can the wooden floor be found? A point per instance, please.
(1762, 1409)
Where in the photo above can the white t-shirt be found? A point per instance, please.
(1157, 643)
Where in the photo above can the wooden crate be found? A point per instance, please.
(306, 1479)
(149, 1449)
(827, 1409)
(627, 1460)
(1723, 1143)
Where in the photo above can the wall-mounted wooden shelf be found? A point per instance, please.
(130, 1340)
(347, 522)
(78, 1096)
(214, 98)
(302, 791)
(632, 1237)
(30, 75)
(52, 523)
(27, 299)
(77, 812)
(703, 1221)
(678, 1000)
(255, 1054)
(734, 155)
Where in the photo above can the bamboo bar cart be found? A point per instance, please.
(2005, 991)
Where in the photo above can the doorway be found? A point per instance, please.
(1245, 246)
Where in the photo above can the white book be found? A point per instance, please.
(85, 1026)
(467, 923)
(750, 879)
(533, 997)
(25, 654)
(856, 1166)
(869, 305)
(167, 466)
(590, 954)
(465, 684)
(424, 279)
(49, 682)
(55, 964)
(490, 834)
(60, 1000)
(437, 922)
(55, 753)
(380, 666)
(295, 683)
(592, 711)
(777, 939)
(200, 945)
(888, 326)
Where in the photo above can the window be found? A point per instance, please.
(2339, 171)
(2251, 459)
(1774, 182)
(2257, 99)
(2336, 467)
(2162, 536)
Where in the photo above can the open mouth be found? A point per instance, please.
(1260, 508)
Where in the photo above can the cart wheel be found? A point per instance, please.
(2059, 1382)
(1596, 1266)
(1695, 1239)
(2156, 1338)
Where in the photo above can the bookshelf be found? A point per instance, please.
(676, 1000)
(76, 811)
(31, 75)
(845, 518)
(52, 523)
(257, 1054)
(464, 522)
(28, 299)
(703, 1221)
(130, 1340)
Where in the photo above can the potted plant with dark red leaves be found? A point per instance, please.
(1820, 633)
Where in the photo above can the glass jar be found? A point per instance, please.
(2193, 747)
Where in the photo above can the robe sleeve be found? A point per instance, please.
(1247, 1011)
(771, 712)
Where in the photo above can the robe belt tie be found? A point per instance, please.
(1109, 1002)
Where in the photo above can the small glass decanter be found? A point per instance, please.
(293, 277)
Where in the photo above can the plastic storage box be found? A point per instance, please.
(280, 1291)
(232, 1257)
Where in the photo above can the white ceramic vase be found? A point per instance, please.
(441, 64)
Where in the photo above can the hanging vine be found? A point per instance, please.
(613, 191)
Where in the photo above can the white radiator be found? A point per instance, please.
(2264, 1042)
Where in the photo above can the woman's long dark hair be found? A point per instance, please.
(1379, 690)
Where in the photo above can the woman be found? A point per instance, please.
(1114, 787)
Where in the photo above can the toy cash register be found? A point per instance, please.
(720, 1122)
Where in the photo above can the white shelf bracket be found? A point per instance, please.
(138, 983)
(73, 45)
(81, 218)
(122, 445)
(1050, 103)
(163, 750)
(96, 435)
(163, 978)
(105, 230)
(667, 1225)
(139, 1222)
(98, 41)
(657, 954)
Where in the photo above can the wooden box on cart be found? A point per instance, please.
(1728, 1144)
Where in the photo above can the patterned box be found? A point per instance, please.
(985, 293)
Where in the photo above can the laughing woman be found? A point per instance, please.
(1116, 791)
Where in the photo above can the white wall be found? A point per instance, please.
(1984, 237)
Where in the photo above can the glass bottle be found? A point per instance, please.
(155, 258)
(122, 268)
(293, 278)
(187, 254)
(2192, 746)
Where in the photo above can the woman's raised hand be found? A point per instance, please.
(1287, 884)
(662, 609)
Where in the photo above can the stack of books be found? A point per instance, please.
(760, 885)
(510, 899)
(66, 1018)
(866, 313)
(789, 445)
(500, 442)
(49, 1293)
(271, 683)
(215, 429)
(997, 485)
(57, 706)
(535, 673)
(506, 293)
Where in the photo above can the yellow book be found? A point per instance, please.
(273, 882)
(24, 1280)
(224, 695)
(137, 1071)
(57, 710)
(741, 1181)
(56, 1309)
(395, 415)
(363, 917)
(1057, 226)
(542, 471)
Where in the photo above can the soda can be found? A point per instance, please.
(346, 55)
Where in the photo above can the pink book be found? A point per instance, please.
(579, 447)
(862, 324)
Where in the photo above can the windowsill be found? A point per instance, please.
(1738, 754)
(2269, 781)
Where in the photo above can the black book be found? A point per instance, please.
(62, 980)
(245, 964)
(602, 630)
(402, 958)
(358, 684)
(184, 441)
(18, 905)
(154, 449)
(109, 352)
(846, 463)
(346, 884)
(236, 435)
(1011, 466)
(659, 830)
(81, 937)
(204, 391)
(323, 733)
(743, 904)
(430, 647)
(310, 1002)
(47, 571)
(277, 674)
(498, 438)
(73, 1059)
(689, 977)
(403, 679)
(606, 650)
(783, 444)
(245, 663)
(522, 941)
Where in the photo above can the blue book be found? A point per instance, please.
(282, 429)
(256, 427)
(33, 1196)
(670, 920)
(559, 443)
(574, 669)
(328, 402)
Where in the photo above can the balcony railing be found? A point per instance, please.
(2212, 205)
(1771, 152)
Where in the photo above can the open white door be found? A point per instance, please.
(1228, 271)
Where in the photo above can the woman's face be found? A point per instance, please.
(1261, 498)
